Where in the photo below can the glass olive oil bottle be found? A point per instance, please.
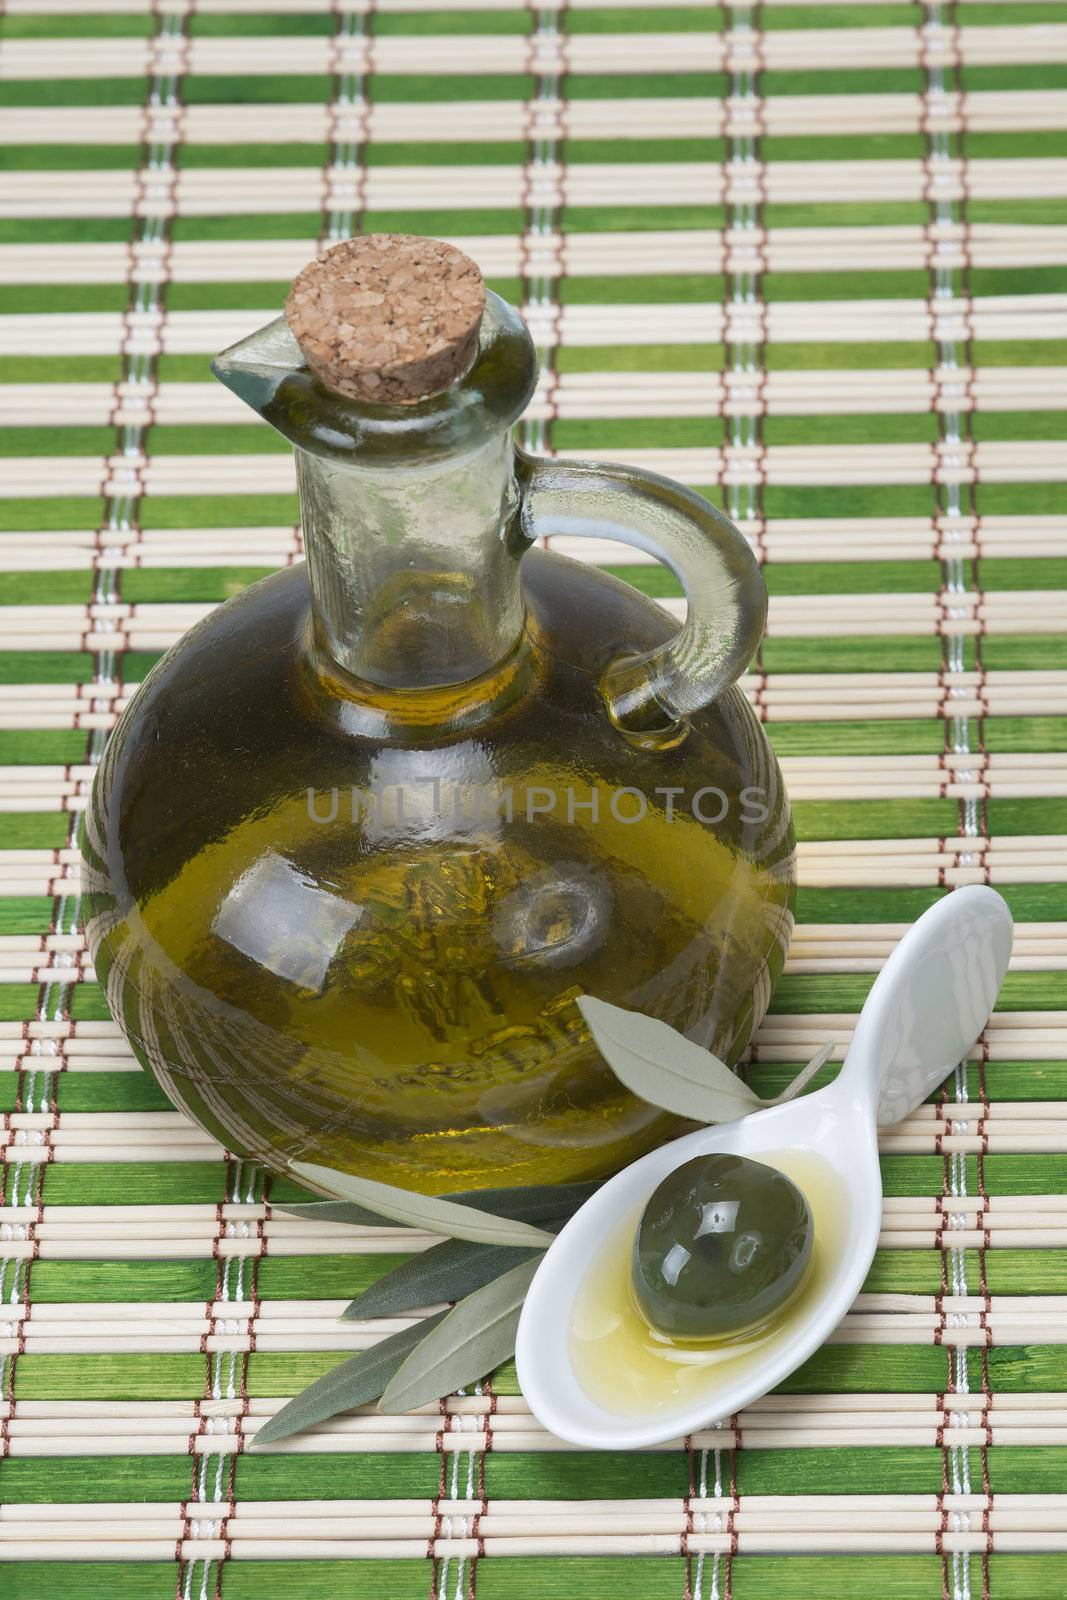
(367, 831)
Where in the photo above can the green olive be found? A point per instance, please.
(722, 1244)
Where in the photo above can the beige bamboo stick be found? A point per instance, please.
(43, 1428)
(794, 539)
(190, 1334)
(1009, 1510)
(987, 110)
(768, 1542)
(313, 7)
(206, 192)
(53, 1319)
(887, 694)
(548, 1519)
(1032, 317)
(997, 461)
(779, 250)
(1028, 613)
(601, 53)
(883, 1436)
(356, 1520)
(595, 395)
(506, 1410)
(302, 7)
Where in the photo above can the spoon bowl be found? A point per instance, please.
(925, 1011)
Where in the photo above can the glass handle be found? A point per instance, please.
(650, 696)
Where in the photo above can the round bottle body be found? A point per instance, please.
(350, 929)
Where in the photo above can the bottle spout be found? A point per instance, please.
(256, 367)
(269, 372)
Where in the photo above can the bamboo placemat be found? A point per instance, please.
(810, 259)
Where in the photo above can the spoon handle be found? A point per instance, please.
(929, 1003)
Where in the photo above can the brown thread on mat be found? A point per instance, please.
(35, 1197)
(759, 353)
(760, 693)
(725, 253)
(760, 350)
(186, 1529)
(331, 141)
(435, 1504)
(170, 74)
(199, 1415)
(131, 513)
(33, 1239)
(250, 1296)
(943, 1425)
(939, 1339)
(942, 1528)
(550, 307)
(967, 424)
(732, 1514)
(987, 1307)
(8, 1398)
(29, 1062)
(946, 774)
(966, 414)
(687, 1513)
(223, 1525)
(483, 1499)
(220, 1269)
(36, 1186)
(128, 335)
(551, 314)
(726, 202)
(331, 169)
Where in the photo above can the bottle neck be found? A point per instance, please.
(414, 572)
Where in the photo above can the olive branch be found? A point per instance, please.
(493, 1238)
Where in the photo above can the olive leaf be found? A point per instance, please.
(662, 1066)
(425, 1211)
(529, 1203)
(473, 1339)
(446, 1271)
(354, 1382)
(668, 1070)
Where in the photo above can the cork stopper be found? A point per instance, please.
(387, 317)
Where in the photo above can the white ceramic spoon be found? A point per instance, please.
(927, 1007)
